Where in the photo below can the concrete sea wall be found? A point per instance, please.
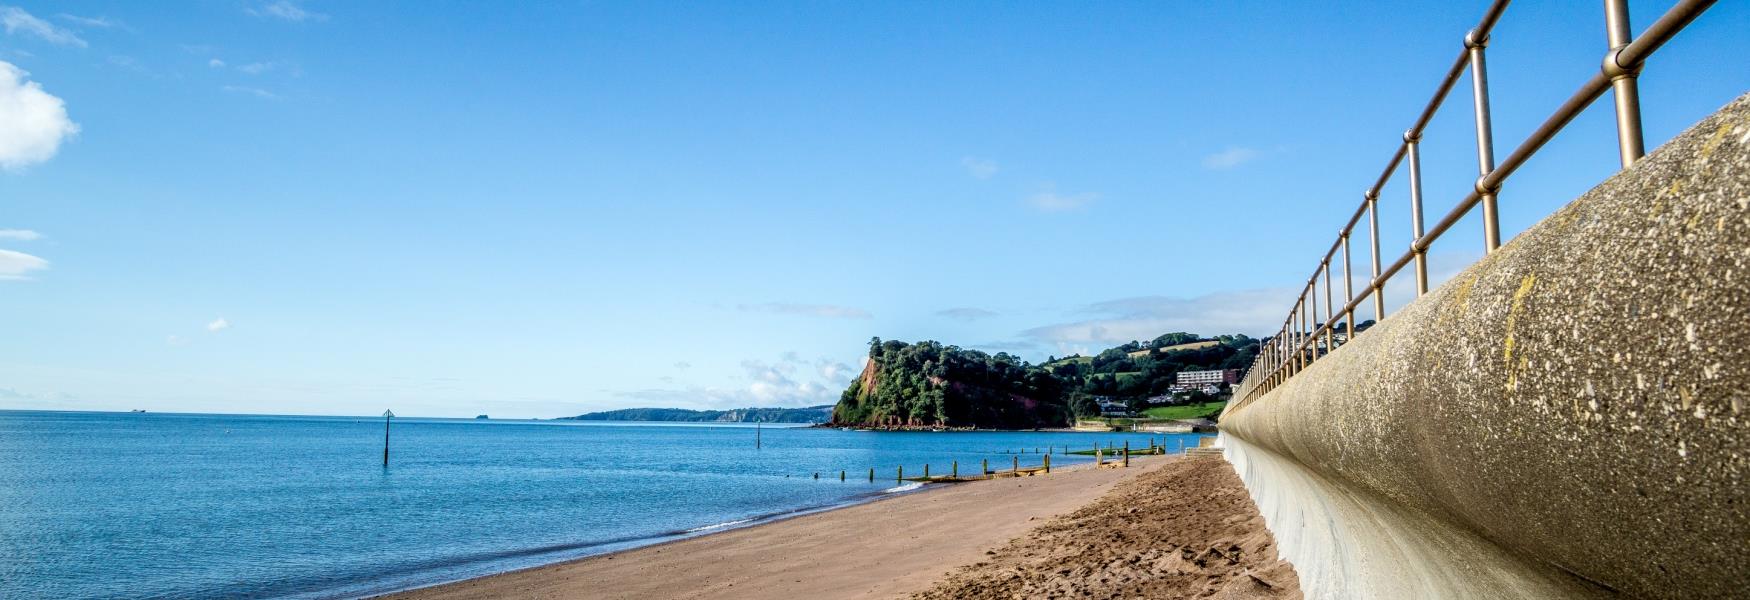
(1562, 419)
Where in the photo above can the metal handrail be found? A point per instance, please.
(1294, 346)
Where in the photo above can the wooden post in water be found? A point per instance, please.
(841, 475)
(901, 476)
(1048, 464)
(817, 475)
(1017, 469)
(1126, 454)
(985, 468)
(955, 472)
(926, 470)
(871, 474)
(756, 435)
(386, 416)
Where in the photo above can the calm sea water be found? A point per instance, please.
(105, 505)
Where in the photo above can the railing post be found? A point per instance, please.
(1348, 290)
(1330, 307)
(1626, 91)
(1373, 230)
(1312, 309)
(1412, 145)
(1474, 42)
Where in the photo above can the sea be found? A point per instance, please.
(152, 505)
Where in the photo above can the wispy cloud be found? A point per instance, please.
(683, 365)
(286, 10)
(219, 324)
(16, 265)
(1252, 312)
(91, 22)
(1232, 157)
(792, 380)
(966, 313)
(35, 122)
(982, 168)
(811, 310)
(18, 22)
(256, 68)
(1050, 200)
(20, 235)
(215, 63)
(252, 91)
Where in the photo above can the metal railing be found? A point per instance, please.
(1304, 338)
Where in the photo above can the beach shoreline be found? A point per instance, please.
(848, 551)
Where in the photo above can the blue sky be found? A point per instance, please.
(537, 210)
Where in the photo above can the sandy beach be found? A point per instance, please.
(951, 539)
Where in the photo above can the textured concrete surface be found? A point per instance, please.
(1350, 544)
(1575, 397)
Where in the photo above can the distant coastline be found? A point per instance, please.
(808, 414)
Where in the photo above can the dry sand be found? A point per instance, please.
(906, 544)
(1186, 530)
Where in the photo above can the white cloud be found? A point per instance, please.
(33, 123)
(683, 365)
(778, 383)
(835, 372)
(18, 265)
(216, 63)
(812, 310)
(966, 313)
(1051, 201)
(982, 168)
(257, 68)
(252, 91)
(90, 22)
(287, 10)
(21, 235)
(175, 340)
(218, 324)
(1229, 158)
(1252, 312)
(17, 21)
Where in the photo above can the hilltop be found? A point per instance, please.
(929, 384)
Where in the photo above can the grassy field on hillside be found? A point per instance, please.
(1188, 411)
(1177, 347)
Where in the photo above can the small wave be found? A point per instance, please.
(719, 526)
(904, 488)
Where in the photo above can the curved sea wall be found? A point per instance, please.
(1562, 419)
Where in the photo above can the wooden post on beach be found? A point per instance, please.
(1047, 464)
(1126, 454)
(985, 468)
(1017, 469)
(1099, 459)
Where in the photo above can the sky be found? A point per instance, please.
(545, 209)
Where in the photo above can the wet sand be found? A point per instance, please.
(884, 549)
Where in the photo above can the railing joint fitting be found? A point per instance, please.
(1613, 67)
(1473, 40)
(1412, 136)
(1482, 186)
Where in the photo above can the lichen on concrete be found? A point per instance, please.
(1576, 396)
